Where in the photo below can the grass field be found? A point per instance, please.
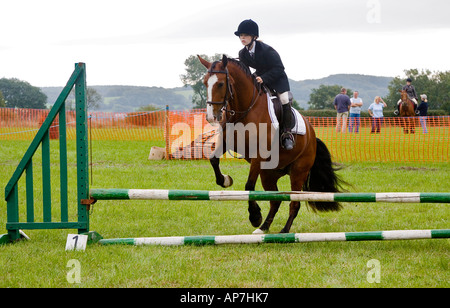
(42, 262)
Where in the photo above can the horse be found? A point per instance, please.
(406, 112)
(235, 99)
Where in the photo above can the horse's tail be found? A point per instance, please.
(323, 178)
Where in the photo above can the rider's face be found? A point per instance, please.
(245, 39)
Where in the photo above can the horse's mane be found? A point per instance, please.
(244, 68)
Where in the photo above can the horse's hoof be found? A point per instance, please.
(228, 181)
(258, 231)
(255, 220)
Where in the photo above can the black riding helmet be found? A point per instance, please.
(249, 27)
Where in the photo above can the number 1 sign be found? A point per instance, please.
(76, 242)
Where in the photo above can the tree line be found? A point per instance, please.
(15, 93)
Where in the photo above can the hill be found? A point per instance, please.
(130, 98)
(368, 87)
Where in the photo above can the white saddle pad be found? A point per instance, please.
(299, 128)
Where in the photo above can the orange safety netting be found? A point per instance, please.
(22, 124)
(187, 135)
(427, 138)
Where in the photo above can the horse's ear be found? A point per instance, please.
(400, 91)
(224, 61)
(204, 62)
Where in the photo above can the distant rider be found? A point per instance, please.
(409, 88)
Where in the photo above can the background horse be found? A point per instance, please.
(407, 113)
(235, 98)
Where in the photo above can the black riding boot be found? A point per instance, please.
(287, 139)
(397, 111)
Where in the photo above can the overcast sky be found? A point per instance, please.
(145, 43)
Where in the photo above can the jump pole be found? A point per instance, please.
(162, 194)
(281, 238)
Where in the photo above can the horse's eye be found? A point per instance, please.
(220, 84)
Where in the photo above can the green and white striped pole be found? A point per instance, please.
(282, 238)
(163, 194)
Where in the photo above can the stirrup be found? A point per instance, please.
(287, 135)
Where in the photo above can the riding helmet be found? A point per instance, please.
(249, 27)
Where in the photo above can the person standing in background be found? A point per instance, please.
(376, 112)
(355, 112)
(342, 105)
(423, 112)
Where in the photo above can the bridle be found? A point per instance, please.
(229, 92)
(228, 86)
(405, 101)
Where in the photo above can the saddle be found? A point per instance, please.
(278, 107)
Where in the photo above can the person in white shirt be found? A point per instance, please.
(376, 112)
(355, 112)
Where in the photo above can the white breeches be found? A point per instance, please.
(413, 99)
(284, 98)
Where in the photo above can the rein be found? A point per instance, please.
(225, 101)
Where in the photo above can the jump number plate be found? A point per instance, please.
(76, 242)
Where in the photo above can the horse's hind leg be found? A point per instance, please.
(253, 208)
(298, 178)
(269, 179)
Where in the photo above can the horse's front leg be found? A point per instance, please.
(221, 179)
(253, 207)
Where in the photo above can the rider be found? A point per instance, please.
(409, 88)
(269, 70)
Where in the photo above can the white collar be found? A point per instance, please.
(253, 48)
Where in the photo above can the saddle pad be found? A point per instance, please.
(299, 128)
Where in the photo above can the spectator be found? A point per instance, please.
(423, 112)
(376, 112)
(342, 105)
(355, 112)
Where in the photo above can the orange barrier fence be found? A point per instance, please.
(419, 139)
(22, 124)
(187, 135)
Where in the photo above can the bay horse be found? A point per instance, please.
(406, 112)
(235, 99)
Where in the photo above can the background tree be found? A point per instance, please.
(2, 100)
(21, 94)
(442, 91)
(93, 99)
(323, 97)
(150, 108)
(195, 72)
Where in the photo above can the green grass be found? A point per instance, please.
(42, 262)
